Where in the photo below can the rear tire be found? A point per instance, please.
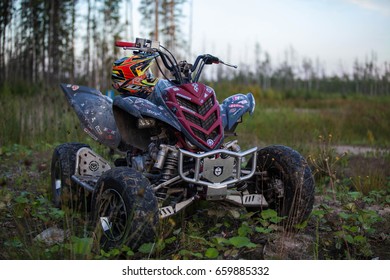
(124, 209)
(63, 166)
(288, 186)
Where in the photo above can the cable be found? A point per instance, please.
(173, 65)
(161, 71)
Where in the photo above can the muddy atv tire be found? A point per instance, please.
(124, 209)
(63, 165)
(287, 184)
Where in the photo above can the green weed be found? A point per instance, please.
(325, 163)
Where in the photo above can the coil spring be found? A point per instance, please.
(170, 167)
(169, 171)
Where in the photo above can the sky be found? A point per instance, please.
(334, 32)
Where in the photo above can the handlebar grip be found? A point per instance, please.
(214, 59)
(210, 59)
(123, 44)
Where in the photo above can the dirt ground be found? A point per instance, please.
(30, 171)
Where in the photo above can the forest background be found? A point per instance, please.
(47, 42)
(44, 43)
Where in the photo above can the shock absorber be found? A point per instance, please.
(167, 162)
(170, 167)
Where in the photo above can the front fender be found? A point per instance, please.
(94, 111)
(234, 107)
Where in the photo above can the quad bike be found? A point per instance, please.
(173, 150)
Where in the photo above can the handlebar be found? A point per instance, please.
(170, 62)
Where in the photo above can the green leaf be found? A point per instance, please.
(350, 207)
(56, 213)
(186, 253)
(211, 253)
(263, 230)
(301, 225)
(128, 250)
(276, 219)
(146, 248)
(199, 239)
(344, 216)
(220, 240)
(353, 229)
(104, 254)
(130, 253)
(318, 213)
(170, 240)
(42, 217)
(241, 241)
(360, 239)
(247, 216)
(160, 245)
(349, 238)
(21, 199)
(115, 252)
(244, 230)
(355, 195)
(269, 213)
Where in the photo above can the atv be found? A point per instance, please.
(172, 149)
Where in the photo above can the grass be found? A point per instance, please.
(46, 117)
(351, 122)
(40, 118)
(341, 226)
(297, 120)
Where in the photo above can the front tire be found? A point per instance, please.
(124, 209)
(286, 182)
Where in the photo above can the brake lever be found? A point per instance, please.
(210, 59)
(229, 65)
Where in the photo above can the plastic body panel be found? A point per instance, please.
(94, 111)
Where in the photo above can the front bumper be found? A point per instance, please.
(217, 169)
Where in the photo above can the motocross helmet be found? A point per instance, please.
(131, 75)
